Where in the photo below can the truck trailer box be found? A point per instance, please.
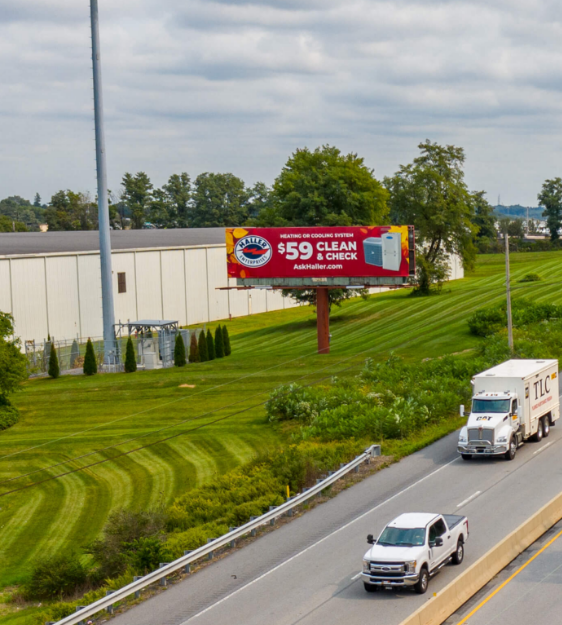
(535, 382)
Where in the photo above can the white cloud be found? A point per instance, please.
(236, 86)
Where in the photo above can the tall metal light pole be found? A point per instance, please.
(508, 293)
(103, 206)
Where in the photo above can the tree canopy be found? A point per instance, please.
(219, 200)
(484, 217)
(137, 196)
(431, 194)
(68, 210)
(327, 188)
(13, 369)
(550, 198)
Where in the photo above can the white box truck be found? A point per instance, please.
(512, 403)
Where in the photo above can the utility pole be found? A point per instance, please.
(508, 294)
(103, 205)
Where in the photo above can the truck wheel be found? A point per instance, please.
(546, 427)
(510, 453)
(466, 456)
(538, 436)
(370, 587)
(423, 582)
(458, 556)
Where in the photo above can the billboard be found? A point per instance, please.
(353, 251)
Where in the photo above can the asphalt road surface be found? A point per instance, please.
(527, 591)
(307, 571)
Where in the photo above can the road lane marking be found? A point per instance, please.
(356, 577)
(297, 555)
(493, 594)
(542, 448)
(463, 503)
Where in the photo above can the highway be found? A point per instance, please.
(526, 591)
(306, 572)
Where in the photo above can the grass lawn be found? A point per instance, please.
(95, 418)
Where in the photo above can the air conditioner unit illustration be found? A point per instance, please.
(372, 247)
(385, 251)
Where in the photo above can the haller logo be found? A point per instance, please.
(253, 251)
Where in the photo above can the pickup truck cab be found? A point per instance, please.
(412, 549)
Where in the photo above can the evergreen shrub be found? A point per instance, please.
(226, 341)
(202, 344)
(179, 351)
(9, 415)
(54, 369)
(90, 363)
(194, 349)
(130, 358)
(210, 345)
(219, 343)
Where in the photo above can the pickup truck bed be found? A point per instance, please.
(452, 520)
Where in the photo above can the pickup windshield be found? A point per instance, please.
(398, 537)
(490, 405)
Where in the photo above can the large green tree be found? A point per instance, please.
(12, 362)
(8, 225)
(137, 195)
(19, 210)
(484, 217)
(178, 194)
(219, 200)
(431, 195)
(71, 211)
(550, 198)
(327, 188)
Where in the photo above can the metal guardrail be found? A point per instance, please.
(159, 576)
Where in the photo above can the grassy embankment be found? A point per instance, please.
(268, 350)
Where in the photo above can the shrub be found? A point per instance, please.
(194, 349)
(90, 364)
(111, 552)
(202, 344)
(226, 341)
(145, 554)
(74, 354)
(179, 351)
(130, 358)
(531, 277)
(219, 345)
(210, 345)
(54, 369)
(55, 577)
(9, 415)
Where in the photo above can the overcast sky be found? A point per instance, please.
(236, 86)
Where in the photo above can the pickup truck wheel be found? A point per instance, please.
(538, 436)
(370, 587)
(423, 582)
(545, 426)
(466, 456)
(510, 453)
(458, 556)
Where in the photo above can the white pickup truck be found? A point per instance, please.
(412, 549)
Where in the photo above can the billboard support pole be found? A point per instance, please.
(323, 319)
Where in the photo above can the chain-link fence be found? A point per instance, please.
(153, 350)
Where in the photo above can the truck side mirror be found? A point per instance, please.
(371, 540)
(439, 541)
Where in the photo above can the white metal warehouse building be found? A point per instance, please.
(51, 282)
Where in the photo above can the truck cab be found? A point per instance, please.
(492, 424)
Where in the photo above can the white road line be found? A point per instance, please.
(276, 568)
(462, 503)
(356, 577)
(542, 448)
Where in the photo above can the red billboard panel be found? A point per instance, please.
(350, 252)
